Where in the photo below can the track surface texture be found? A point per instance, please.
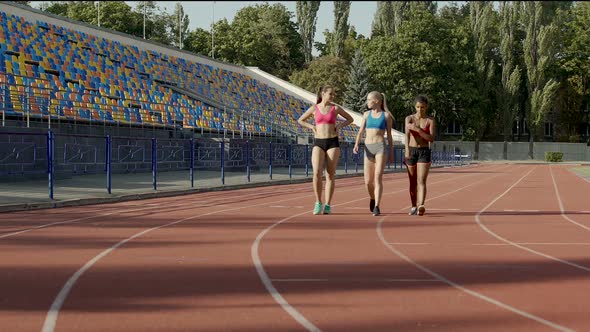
(501, 248)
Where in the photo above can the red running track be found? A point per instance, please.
(501, 248)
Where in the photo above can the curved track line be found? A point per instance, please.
(465, 289)
(70, 221)
(53, 313)
(489, 231)
(254, 252)
(578, 175)
(563, 214)
(117, 212)
(458, 286)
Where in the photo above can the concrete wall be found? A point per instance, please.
(517, 150)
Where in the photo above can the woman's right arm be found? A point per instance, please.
(359, 135)
(303, 119)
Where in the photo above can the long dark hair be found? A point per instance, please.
(321, 90)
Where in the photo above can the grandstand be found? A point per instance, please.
(59, 71)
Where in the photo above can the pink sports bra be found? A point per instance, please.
(329, 118)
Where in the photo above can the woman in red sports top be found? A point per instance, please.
(326, 145)
(420, 132)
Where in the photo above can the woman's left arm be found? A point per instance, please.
(345, 115)
(428, 137)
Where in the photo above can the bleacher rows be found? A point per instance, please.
(47, 70)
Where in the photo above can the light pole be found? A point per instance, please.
(213, 32)
(99, 13)
(144, 14)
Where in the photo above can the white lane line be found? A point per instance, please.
(69, 221)
(465, 289)
(267, 282)
(489, 244)
(489, 231)
(354, 280)
(142, 208)
(462, 288)
(53, 313)
(561, 208)
(285, 207)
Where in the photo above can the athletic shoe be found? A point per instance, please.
(413, 211)
(371, 205)
(376, 211)
(317, 208)
(421, 210)
(327, 209)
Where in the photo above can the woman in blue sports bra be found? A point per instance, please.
(377, 122)
(326, 147)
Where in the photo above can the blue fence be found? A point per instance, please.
(34, 155)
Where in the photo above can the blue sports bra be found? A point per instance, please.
(378, 123)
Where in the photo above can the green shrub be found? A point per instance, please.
(554, 156)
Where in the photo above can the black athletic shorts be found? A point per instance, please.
(419, 155)
(327, 143)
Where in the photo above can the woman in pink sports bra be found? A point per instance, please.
(326, 147)
(420, 132)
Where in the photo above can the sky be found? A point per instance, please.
(202, 13)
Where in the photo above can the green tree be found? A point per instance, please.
(157, 22)
(511, 75)
(573, 97)
(179, 23)
(352, 42)
(198, 41)
(482, 26)
(264, 36)
(306, 20)
(538, 55)
(391, 14)
(455, 90)
(225, 45)
(114, 15)
(341, 26)
(321, 71)
(56, 7)
(359, 84)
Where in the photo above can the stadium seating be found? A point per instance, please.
(74, 75)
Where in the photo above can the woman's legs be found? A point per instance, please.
(423, 170)
(413, 183)
(380, 159)
(332, 156)
(318, 158)
(369, 172)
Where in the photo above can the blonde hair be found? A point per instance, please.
(381, 97)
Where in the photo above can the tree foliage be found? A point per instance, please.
(539, 52)
(341, 26)
(509, 87)
(321, 71)
(359, 84)
(306, 21)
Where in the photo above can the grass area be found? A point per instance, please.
(583, 171)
